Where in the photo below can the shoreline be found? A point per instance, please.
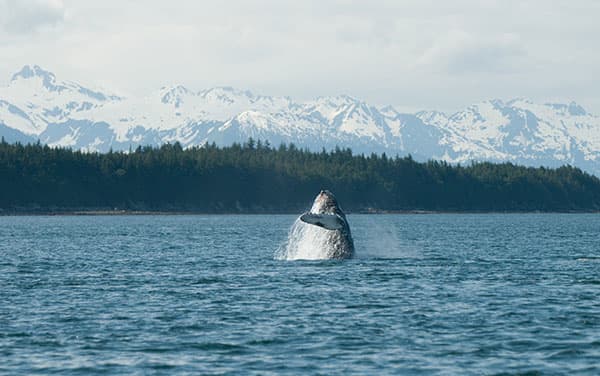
(70, 213)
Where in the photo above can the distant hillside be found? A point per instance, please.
(255, 177)
(37, 105)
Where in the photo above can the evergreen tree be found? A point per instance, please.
(256, 177)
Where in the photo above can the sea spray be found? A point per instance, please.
(382, 242)
(306, 242)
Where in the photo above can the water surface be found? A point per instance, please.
(427, 294)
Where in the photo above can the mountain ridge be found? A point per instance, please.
(37, 106)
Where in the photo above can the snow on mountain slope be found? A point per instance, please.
(34, 98)
(524, 132)
(36, 105)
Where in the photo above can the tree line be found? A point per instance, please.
(255, 177)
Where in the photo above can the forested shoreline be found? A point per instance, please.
(257, 178)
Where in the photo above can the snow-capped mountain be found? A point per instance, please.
(37, 106)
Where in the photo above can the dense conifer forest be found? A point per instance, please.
(255, 178)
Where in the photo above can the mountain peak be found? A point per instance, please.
(48, 78)
(232, 91)
(174, 95)
(388, 109)
(348, 98)
(345, 98)
(497, 103)
(575, 109)
(227, 94)
(571, 108)
(34, 78)
(339, 101)
(29, 71)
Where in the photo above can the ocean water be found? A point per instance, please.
(426, 294)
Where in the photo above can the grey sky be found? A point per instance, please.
(411, 54)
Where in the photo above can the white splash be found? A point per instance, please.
(306, 242)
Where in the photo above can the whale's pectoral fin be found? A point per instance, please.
(327, 221)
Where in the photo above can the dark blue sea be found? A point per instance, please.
(448, 294)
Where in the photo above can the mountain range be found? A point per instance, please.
(35, 105)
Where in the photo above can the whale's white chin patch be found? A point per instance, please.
(326, 221)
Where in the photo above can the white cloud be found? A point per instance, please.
(459, 52)
(411, 53)
(28, 16)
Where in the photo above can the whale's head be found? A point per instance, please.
(325, 202)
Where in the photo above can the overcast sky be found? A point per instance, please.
(411, 54)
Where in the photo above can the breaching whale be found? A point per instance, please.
(327, 214)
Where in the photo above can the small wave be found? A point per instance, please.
(566, 354)
(218, 346)
(588, 259)
(162, 366)
(208, 281)
(156, 350)
(368, 306)
(265, 342)
(520, 373)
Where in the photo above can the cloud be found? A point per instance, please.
(410, 53)
(459, 52)
(30, 16)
